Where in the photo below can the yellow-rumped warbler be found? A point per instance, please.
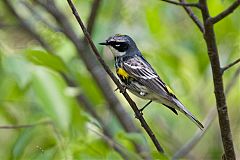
(140, 78)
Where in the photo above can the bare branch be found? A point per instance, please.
(183, 3)
(193, 17)
(230, 65)
(93, 15)
(223, 117)
(25, 125)
(226, 12)
(130, 101)
(188, 146)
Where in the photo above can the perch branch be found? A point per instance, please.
(130, 101)
(96, 70)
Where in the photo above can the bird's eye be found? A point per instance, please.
(120, 46)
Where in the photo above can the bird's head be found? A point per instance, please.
(120, 45)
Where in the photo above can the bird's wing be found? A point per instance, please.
(140, 69)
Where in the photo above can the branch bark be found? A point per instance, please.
(209, 36)
(125, 94)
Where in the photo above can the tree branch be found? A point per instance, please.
(25, 125)
(230, 65)
(92, 17)
(130, 101)
(188, 146)
(193, 17)
(226, 12)
(94, 68)
(210, 40)
(182, 3)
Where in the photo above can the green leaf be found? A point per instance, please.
(49, 88)
(159, 156)
(45, 59)
(136, 137)
(21, 143)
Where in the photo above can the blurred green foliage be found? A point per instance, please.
(32, 89)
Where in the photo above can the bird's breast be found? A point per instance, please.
(123, 75)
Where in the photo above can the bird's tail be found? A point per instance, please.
(183, 109)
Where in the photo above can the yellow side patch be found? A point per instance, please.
(169, 90)
(122, 73)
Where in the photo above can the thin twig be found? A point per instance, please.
(130, 101)
(92, 17)
(225, 13)
(183, 3)
(25, 125)
(193, 17)
(188, 146)
(230, 65)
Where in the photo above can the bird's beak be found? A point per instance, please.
(103, 43)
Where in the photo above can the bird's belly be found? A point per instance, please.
(139, 90)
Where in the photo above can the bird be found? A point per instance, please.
(139, 77)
